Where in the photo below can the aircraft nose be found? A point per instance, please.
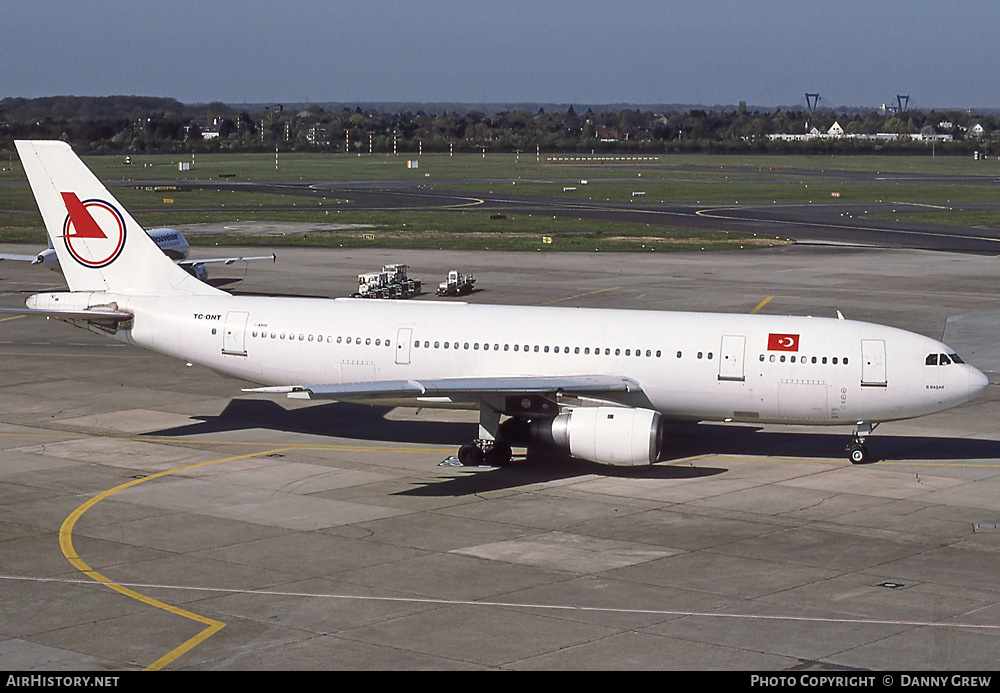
(978, 381)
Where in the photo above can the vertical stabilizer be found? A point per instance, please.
(99, 245)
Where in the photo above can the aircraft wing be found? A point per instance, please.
(226, 260)
(462, 388)
(33, 259)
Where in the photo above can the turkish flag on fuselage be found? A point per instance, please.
(782, 342)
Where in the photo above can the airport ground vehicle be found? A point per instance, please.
(457, 284)
(391, 282)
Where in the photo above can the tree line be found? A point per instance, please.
(129, 124)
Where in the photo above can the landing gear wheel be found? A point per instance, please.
(470, 455)
(499, 455)
(857, 453)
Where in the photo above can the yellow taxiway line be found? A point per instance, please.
(585, 293)
(761, 304)
(66, 544)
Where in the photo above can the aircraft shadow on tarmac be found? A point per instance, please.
(549, 466)
(334, 419)
(681, 441)
(368, 423)
(222, 282)
(684, 440)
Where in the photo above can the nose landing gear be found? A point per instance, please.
(857, 451)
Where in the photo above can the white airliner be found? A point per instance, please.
(170, 241)
(596, 383)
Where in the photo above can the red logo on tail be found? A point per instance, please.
(94, 231)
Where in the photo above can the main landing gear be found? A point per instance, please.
(487, 449)
(480, 452)
(857, 451)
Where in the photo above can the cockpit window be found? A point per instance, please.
(943, 359)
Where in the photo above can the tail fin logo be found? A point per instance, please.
(94, 231)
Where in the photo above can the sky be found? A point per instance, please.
(768, 53)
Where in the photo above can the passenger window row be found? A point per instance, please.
(291, 336)
(535, 348)
(932, 359)
(804, 359)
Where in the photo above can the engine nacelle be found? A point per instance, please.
(609, 435)
(48, 258)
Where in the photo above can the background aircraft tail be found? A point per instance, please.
(99, 245)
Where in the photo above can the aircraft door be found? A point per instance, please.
(731, 358)
(234, 333)
(403, 345)
(873, 363)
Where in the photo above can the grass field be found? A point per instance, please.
(699, 179)
(438, 167)
(477, 231)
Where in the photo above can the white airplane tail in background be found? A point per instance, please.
(99, 245)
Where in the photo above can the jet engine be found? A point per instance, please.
(197, 271)
(617, 436)
(47, 257)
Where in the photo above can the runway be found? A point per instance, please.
(817, 221)
(153, 516)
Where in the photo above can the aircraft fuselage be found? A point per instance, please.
(696, 366)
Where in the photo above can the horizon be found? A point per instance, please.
(491, 108)
(472, 51)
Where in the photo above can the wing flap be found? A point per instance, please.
(226, 260)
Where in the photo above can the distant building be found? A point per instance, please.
(837, 132)
(810, 134)
(209, 131)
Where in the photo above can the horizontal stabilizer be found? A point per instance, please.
(91, 315)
